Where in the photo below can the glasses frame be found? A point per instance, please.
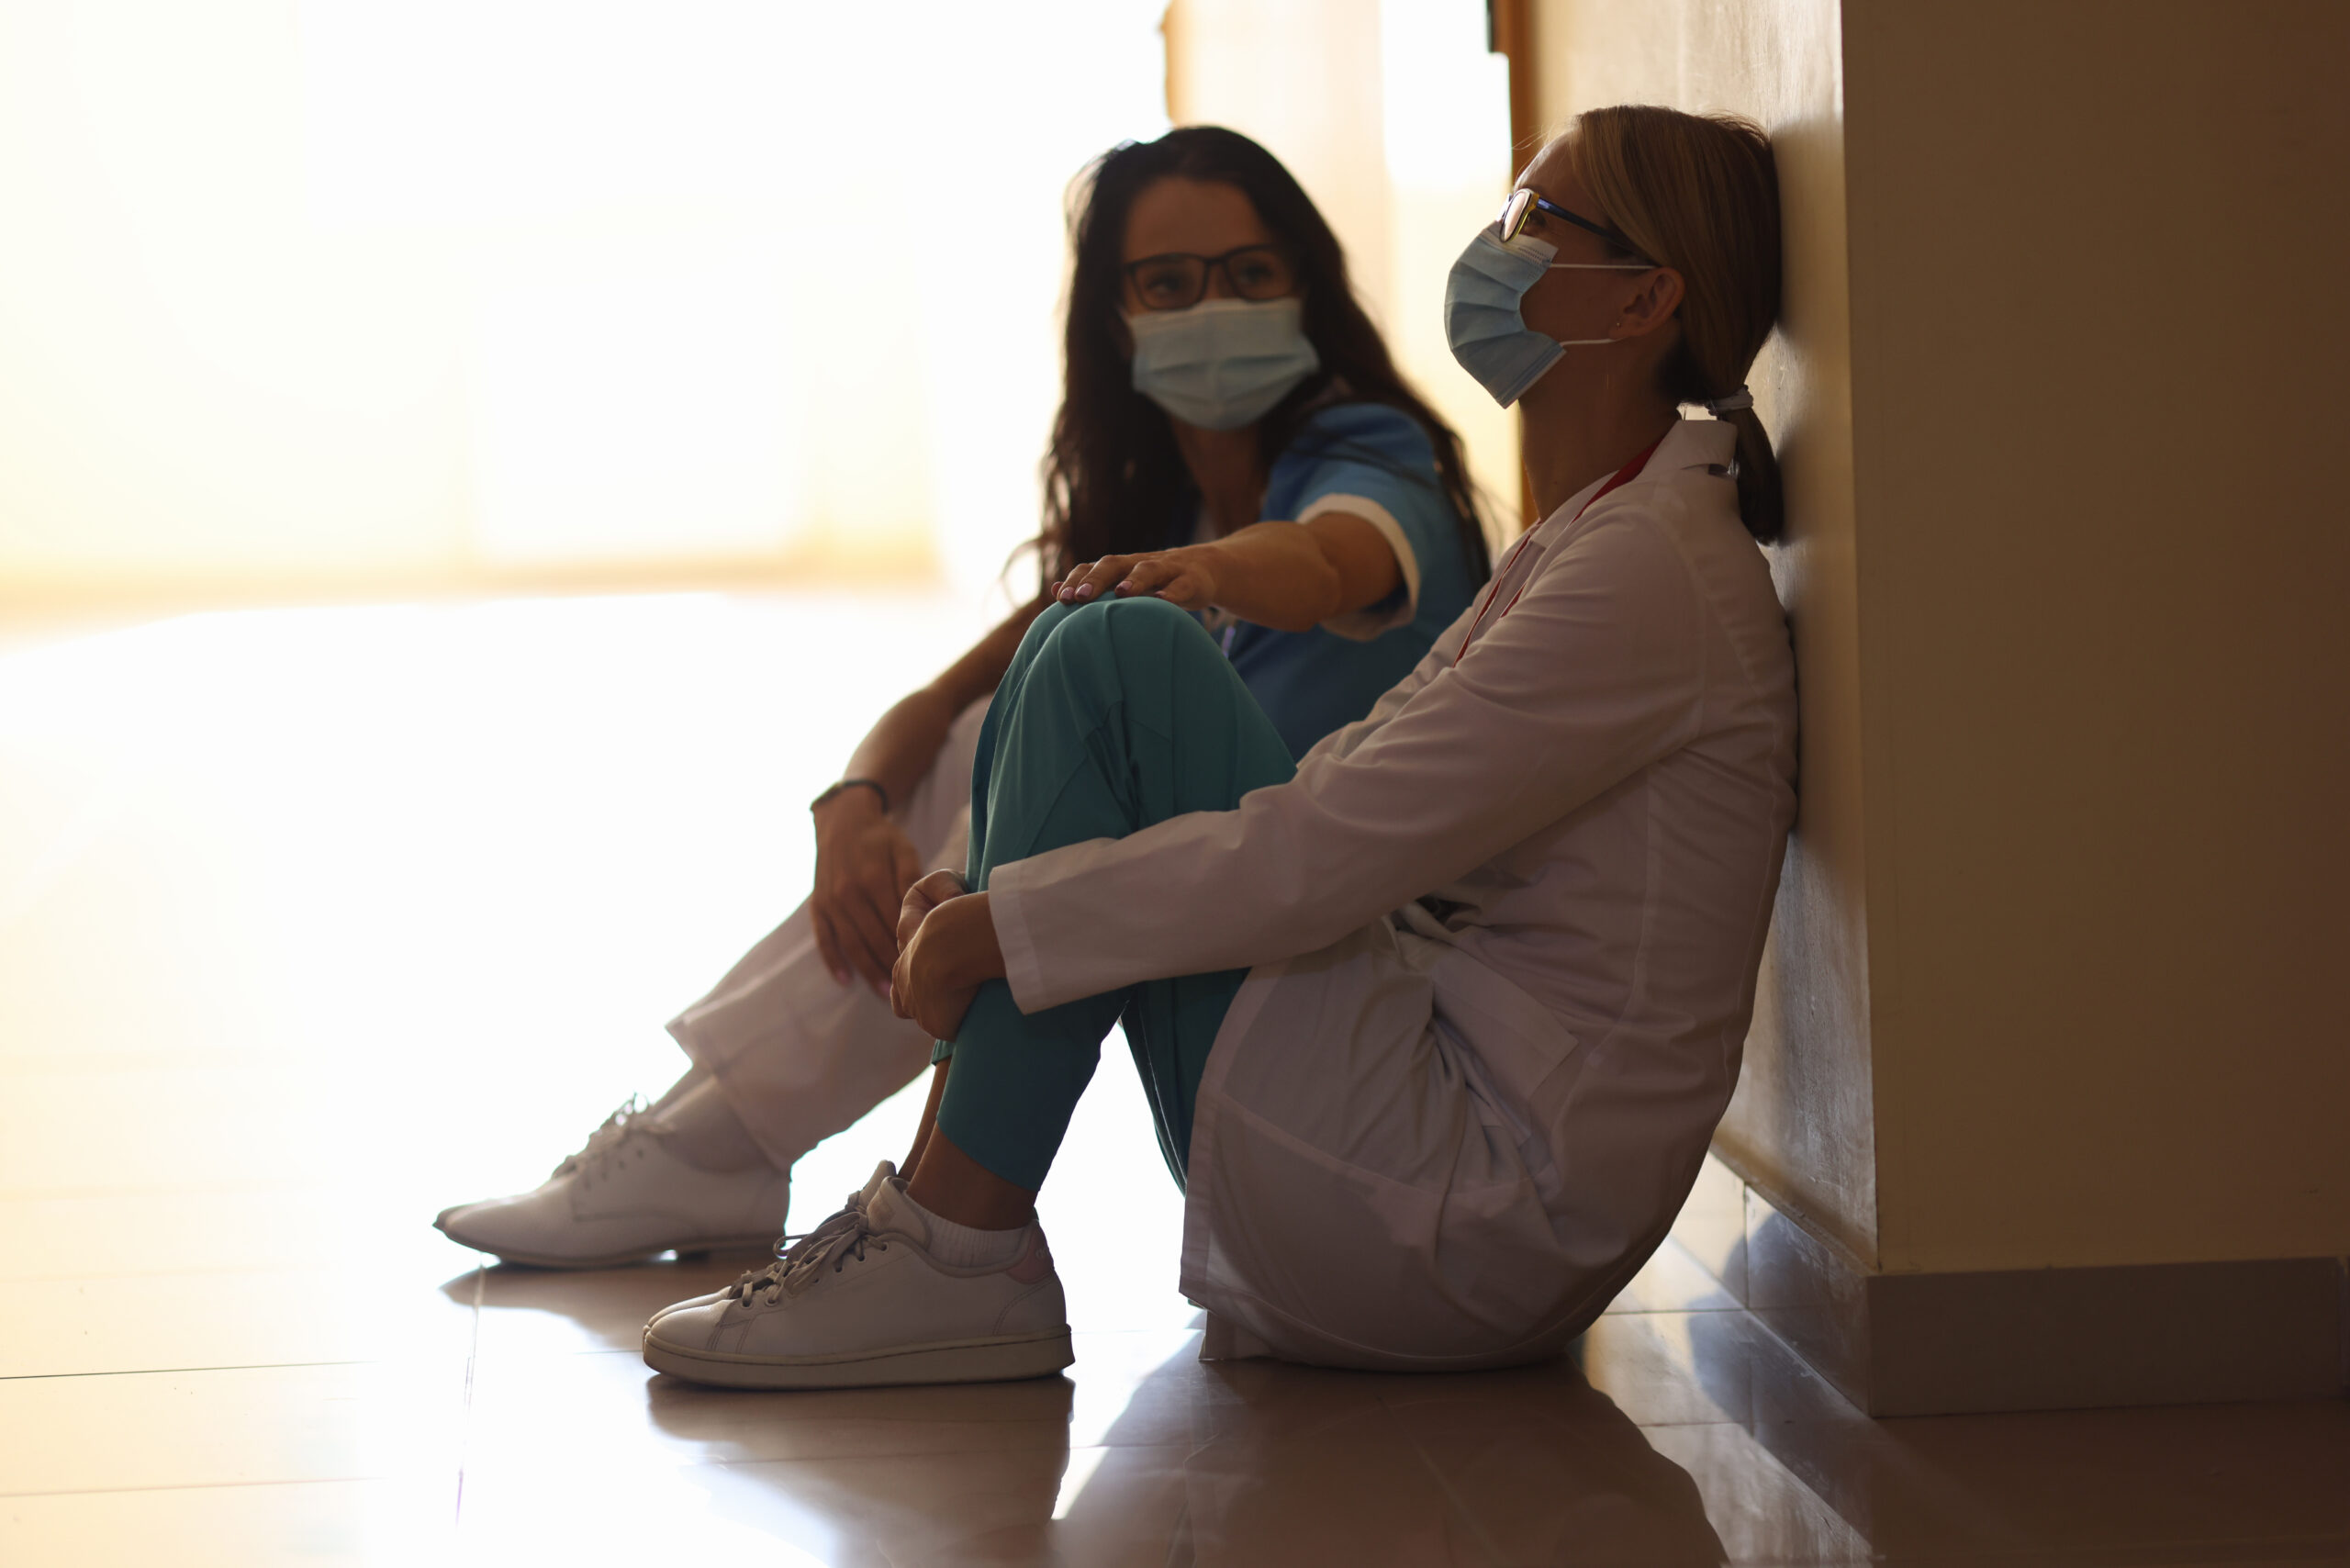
(1525, 202)
(1208, 265)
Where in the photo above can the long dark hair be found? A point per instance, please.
(1113, 471)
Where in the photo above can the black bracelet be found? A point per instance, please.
(872, 784)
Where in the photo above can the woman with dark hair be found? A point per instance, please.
(1234, 439)
(1436, 1021)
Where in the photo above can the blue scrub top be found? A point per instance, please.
(1380, 460)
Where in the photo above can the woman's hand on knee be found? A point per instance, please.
(863, 865)
(947, 949)
(1185, 577)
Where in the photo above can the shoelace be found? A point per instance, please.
(613, 1133)
(843, 1235)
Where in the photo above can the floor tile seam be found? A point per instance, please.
(358, 1479)
(63, 1062)
(497, 1469)
(373, 1260)
(1726, 1420)
(178, 1188)
(1655, 1311)
(225, 1367)
(2137, 1550)
(1186, 1449)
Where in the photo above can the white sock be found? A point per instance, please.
(699, 1128)
(966, 1245)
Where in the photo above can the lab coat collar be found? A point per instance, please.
(1690, 445)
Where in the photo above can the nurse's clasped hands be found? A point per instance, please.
(947, 949)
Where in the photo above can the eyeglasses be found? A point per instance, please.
(1523, 204)
(1176, 281)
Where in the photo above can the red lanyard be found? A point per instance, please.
(1625, 474)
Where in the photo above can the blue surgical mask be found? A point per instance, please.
(1222, 363)
(1482, 320)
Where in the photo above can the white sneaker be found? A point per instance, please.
(623, 1198)
(858, 1302)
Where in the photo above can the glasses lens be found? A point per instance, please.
(1514, 212)
(1169, 282)
(1259, 273)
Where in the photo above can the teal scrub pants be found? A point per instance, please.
(1113, 715)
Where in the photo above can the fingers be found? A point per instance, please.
(869, 944)
(922, 898)
(1147, 575)
(1168, 574)
(828, 947)
(938, 886)
(1170, 579)
(1186, 591)
(905, 866)
(1089, 582)
(942, 1016)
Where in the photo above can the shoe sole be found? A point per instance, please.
(684, 1249)
(1002, 1360)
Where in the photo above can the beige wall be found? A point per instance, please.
(1803, 1123)
(2099, 259)
(2051, 979)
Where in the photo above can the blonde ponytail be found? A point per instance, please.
(1700, 194)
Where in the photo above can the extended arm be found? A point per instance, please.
(1291, 577)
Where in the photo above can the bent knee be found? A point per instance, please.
(1122, 631)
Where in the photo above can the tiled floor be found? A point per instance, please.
(313, 922)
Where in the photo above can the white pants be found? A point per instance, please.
(797, 1054)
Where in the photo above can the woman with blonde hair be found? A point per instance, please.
(1438, 1022)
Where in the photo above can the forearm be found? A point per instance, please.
(899, 750)
(1294, 576)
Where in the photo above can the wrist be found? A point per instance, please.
(976, 958)
(851, 799)
(1221, 570)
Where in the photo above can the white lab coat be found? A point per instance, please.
(1504, 933)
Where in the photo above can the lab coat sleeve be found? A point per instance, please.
(1594, 672)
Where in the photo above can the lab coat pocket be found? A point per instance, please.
(1519, 1044)
(1518, 1057)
